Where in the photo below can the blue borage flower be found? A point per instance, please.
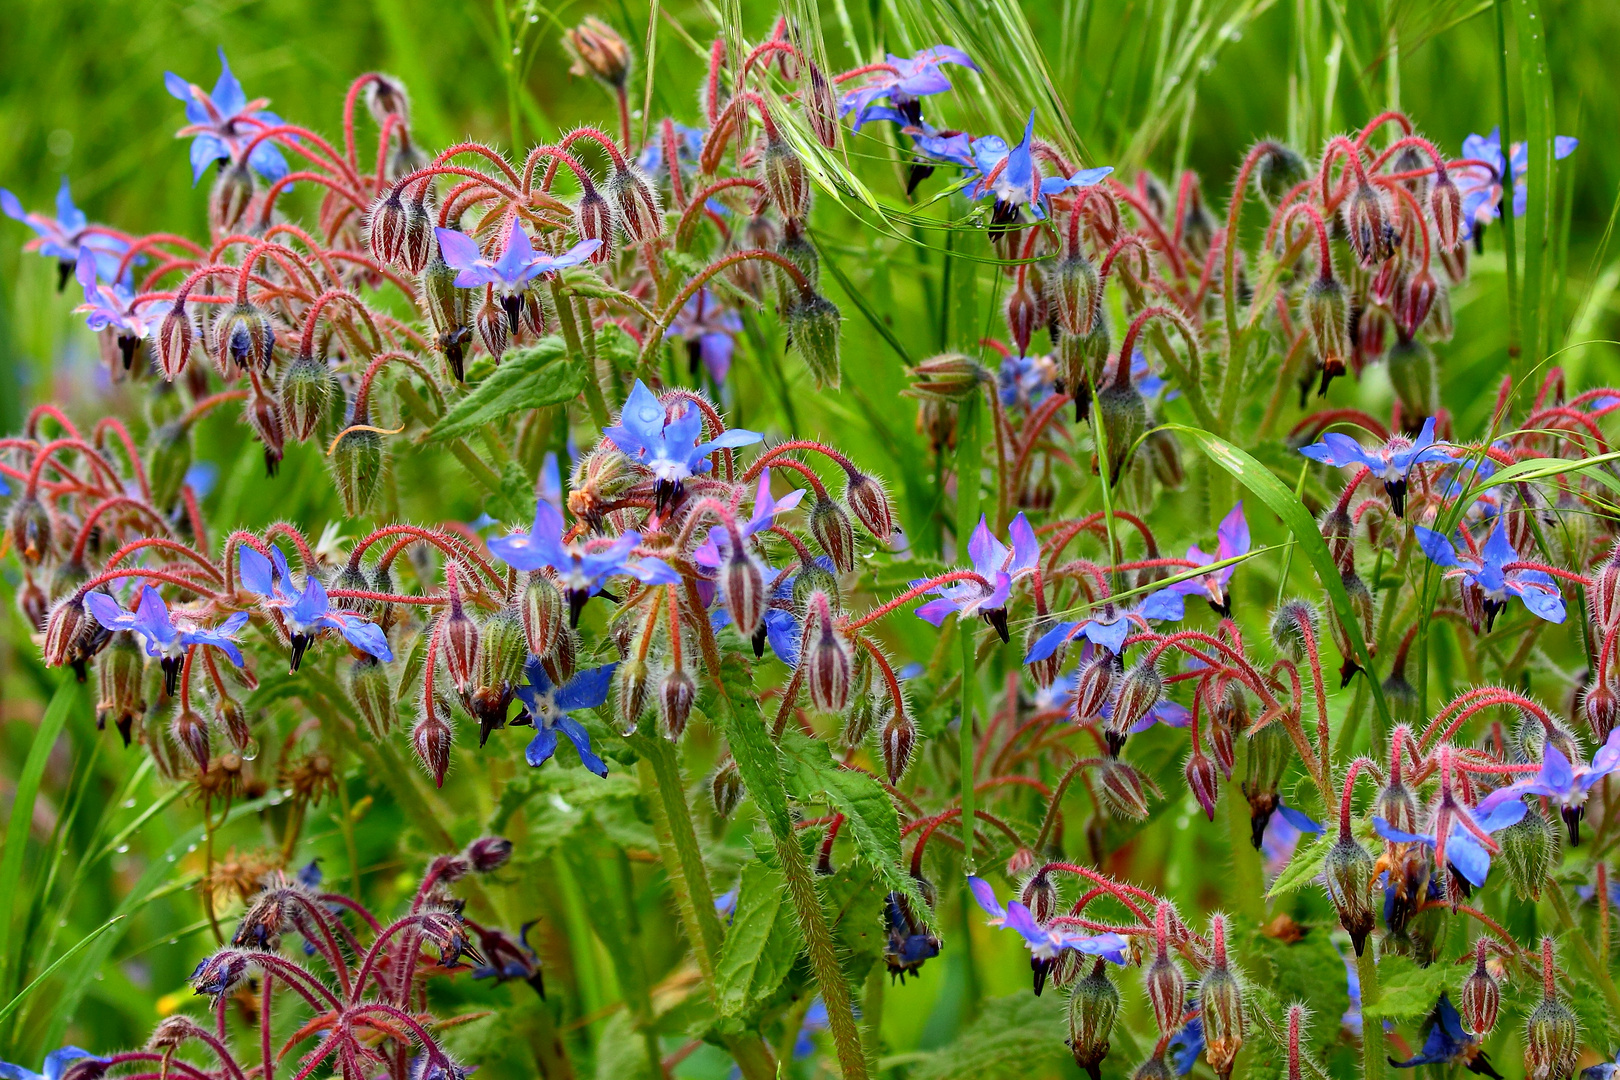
(1109, 625)
(1563, 784)
(113, 307)
(911, 79)
(1282, 833)
(1187, 1045)
(910, 944)
(67, 236)
(547, 705)
(998, 565)
(221, 124)
(581, 567)
(710, 331)
(1012, 179)
(164, 640)
(1448, 1043)
(1390, 463)
(56, 1064)
(1481, 189)
(1044, 943)
(1485, 579)
(1464, 851)
(309, 612)
(1026, 381)
(669, 446)
(1232, 540)
(514, 268)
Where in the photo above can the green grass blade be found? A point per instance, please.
(1529, 27)
(39, 980)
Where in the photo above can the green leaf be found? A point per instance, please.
(870, 819)
(1301, 870)
(1406, 991)
(1302, 525)
(1015, 1036)
(527, 378)
(762, 943)
(67, 695)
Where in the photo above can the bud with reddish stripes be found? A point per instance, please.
(494, 329)
(1367, 222)
(1093, 1006)
(1481, 997)
(744, 586)
(899, 738)
(828, 663)
(833, 531)
(1445, 204)
(1417, 300)
(263, 413)
(420, 242)
(488, 854)
(1601, 705)
(1040, 895)
(1094, 686)
(1603, 598)
(458, 634)
(1348, 877)
(245, 336)
(190, 732)
(385, 227)
(633, 681)
(726, 788)
(1202, 780)
(1120, 786)
(1551, 1040)
(635, 200)
(1139, 691)
(174, 337)
(869, 500)
(1166, 985)
(820, 106)
(1021, 312)
(593, 220)
(1327, 313)
(29, 526)
(430, 739)
(676, 693)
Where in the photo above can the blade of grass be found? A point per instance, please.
(39, 980)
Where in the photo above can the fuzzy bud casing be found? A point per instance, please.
(676, 693)
(813, 329)
(1481, 999)
(833, 531)
(372, 692)
(869, 501)
(1348, 874)
(541, 610)
(593, 220)
(899, 738)
(1093, 1006)
(1367, 223)
(1167, 992)
(1074, 291)
(1123, 412)
(306, 392)
(357, 465)
(1529, 848)
(1415, 377)
(1139, 691)
(787, 184)
(726, 788)
(829, 664)
(1551, 1041)
(637, 207)
(1220, 1001)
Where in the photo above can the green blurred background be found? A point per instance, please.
(1157, 83)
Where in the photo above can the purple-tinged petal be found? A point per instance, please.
(1048, 643)
(1232, 535)
(107, 611)
(459, 251)
(936, 611)
(1026, 550)
(1436, 547)
(986, 896)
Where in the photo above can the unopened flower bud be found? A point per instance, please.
(1120, 786)
(385, 227)
(190, 732)
(1203, 781)
(593, 220)
(635, 200)
(263, 414)
(372, 692)
(899, 737)
(357, 466)
(787, 184)
(1139, 691)
(1415, 377)
(1416, 301)
(244, 336)
(1277, 172)
(1367, 223)
(726, 787)
(494, 330)
(1601, 705)
(1348, 873)
(1164, 454)
(1529, 848)
(831, 527)
(168, 459)
(1040, 895)
(1094, 686)
(220, 973)
(598, 51)
(632, 681)
(1021, 311)
(118, 675)
(829, 665)
(676, 693)
(1551, 1041)
(542, 614)
(1445, 204)
(174, 336)
(458, 636)
(1093, 1005)
(229, 198)
(1166, 991)
(1327, 314)
(28, 525)
(421, 243)
(502, 649)
(1291, 625)
(1123, 413)
(870, 503)
(306, 392)
(812, 327)
(1220, 1002)
(488, 854)
(1074, 292)
(1481, 997)
(820, 106)
(431, 739)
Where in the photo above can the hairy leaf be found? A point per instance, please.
(528, 378)
(762, 944)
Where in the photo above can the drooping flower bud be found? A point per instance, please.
(488, 854)
(1040, 895)
(828, 664)
(229, 198)
(632, 683)
(1123, 414)
(245, 336)
(1601, 705)
(1415, 377)
(831, 527)
(1093, 1005)
(1327, 313)
(446, 306)
(502, 649)
(1529, 848)
(431, 739)
(1167, 991)
(306, 392)
(1417, 300)
(190, 732)
(1164, 454)
(372, 692)
(1269, 753)
(494, 330)
(1481, 997)
(593, 220)
(1348, 874)
(867, 498)
(1120, 786)
(726, 787)
(421, 243)
(168, 459)
(174, 337)
(1367, 223)
(542, 614)
(385, 227)
(635, 200)
(458, 634)
(598, 51)
(1551, 1041)
(1074, 292)
(1277, 172)
(1021, 311)
(1445, 205)
(812, 326)
(1293, 622)
(820, 106)
(787, 184)
(28, 524)
(357, 463)
(899, 737)
(1139, 691)
(118, 676)
(263, 414)
(676, 693)
(1203, 781)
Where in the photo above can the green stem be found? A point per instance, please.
(872, 1014)
(607, 380)
(1514, 349)
(1247, 876)
(968, 464)
(570, 332)
(823, 957)
(1372, 1030)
